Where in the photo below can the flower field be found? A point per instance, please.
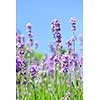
(54, 76)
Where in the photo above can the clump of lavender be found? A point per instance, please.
(46, 72)
(20, 62)
(20, 51)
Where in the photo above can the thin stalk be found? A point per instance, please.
(74, 75)
(33, 84)
(74, 41)
(55, 78)
(55, 71)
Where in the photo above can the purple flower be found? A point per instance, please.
(28, 27)
(22, 52)
(73, 20)
(19, 39)
(25, 81)
(50, 63)
(19, 45)
(55, 26)
(35, 44)
(57, 37)
(65, 57)
(18, 68)
(73, 23)
(56, 59)
(69, 43)
(65, 62)
(30, 35)
(73, 28)
(18, 64)
(68, 94)
(33, 70)
(18, 81)
(62, 98)
(51, 46)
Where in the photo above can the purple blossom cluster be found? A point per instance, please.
(55, 27)
(30, 35)
(67, 96)
(29, 67)
(18, 64)
(65, 62)
(33, 71)
(73, 23)
(50, 64)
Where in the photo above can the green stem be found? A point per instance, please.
(55, 71)
(34, 91)
(75, 76)
(55, 78)
(74, 41)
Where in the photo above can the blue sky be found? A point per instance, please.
(41, 12)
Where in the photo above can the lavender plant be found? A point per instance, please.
(54, 76)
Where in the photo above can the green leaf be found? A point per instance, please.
(38, 55)
(63, 50)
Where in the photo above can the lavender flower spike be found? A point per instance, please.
(30, 35)
(33, 70)
(55, 27)
(18, 64)
(73, 23)
(28, 26)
